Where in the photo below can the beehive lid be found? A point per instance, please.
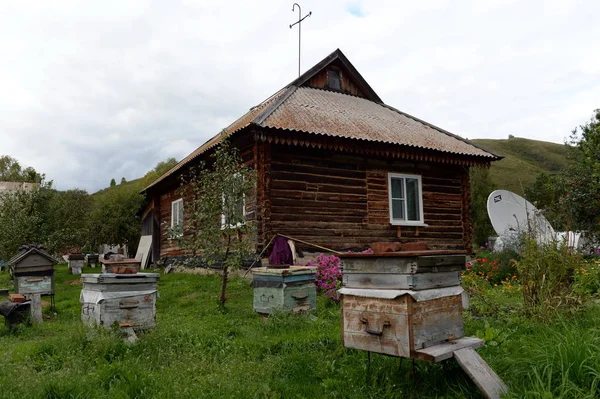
(418, 296)
(43, 258)
(112, 278)
(290, 271)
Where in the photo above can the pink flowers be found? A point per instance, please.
(329, 276)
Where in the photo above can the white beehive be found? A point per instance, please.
(126, 299)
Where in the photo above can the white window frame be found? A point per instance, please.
(399, 222)
(176, 214)
(224, 225)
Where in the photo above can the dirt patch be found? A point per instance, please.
(46, 304)
(73, 282)
(191, 295)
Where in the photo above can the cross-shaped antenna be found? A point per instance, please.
(299, 23)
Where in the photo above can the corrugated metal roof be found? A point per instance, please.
(340, 115)
(329, 113)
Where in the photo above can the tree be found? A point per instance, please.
(114, 218)
(11, 170)
(123, 180)
(160, 169)
(583, 175)
(547, 193)
(20, 220)
(67, 220)
(113, 182)
(481, 187)
(215, 228)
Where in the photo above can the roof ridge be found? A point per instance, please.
(439, 129)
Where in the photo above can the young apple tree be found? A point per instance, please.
(213, 225)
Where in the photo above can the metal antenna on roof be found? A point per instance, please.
(299, 23)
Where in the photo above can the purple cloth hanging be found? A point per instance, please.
(281, 254)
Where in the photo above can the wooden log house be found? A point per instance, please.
(337, 167)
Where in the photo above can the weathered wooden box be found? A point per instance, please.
(109, 266)
(400, 322)
(417, 270)
(126, 299)
(33, 271)
(292, 289)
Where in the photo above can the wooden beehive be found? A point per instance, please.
(33, 271)
(417, 270)
(399, 322)
(397, 303)
(291, 289)
(126, 299)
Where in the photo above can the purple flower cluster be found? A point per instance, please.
(329, 276)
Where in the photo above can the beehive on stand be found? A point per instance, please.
(409, 304)
(33, 271)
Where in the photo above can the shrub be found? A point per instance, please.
(493, 267)
(587, 278)
(329, 276)
(546, 273)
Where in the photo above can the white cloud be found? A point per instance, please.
(96, 90)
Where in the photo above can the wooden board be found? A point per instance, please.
(143, 251)
(488, 382)
(436, 321)
(404, 265)
(446, 350)
(415, 282)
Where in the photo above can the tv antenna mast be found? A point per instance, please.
(299, 23)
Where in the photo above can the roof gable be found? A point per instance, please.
(352, 81)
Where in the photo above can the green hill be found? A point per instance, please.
(524, 160)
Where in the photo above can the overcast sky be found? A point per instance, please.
(94, 90)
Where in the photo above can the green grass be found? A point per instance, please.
(198, 351)
(524, 160)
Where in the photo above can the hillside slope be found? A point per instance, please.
(524, 159)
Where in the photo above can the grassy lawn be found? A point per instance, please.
(197, 351)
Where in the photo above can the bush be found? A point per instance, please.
(329, 276)
(493, 267)
(546, 273)
(587, 278)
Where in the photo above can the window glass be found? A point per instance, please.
(234, 211)
(398, 209)
(177, 215)
(333, 79)
(412, 200)
(397, 188)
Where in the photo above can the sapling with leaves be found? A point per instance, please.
(215, 231)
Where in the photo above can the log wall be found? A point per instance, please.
(162, 208)
(341, 201)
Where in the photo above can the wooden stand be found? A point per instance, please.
(36, 307)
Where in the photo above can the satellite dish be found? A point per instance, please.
(512, 215)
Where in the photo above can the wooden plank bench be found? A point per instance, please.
(463, 350)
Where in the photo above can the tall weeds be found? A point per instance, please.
(546, 273)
